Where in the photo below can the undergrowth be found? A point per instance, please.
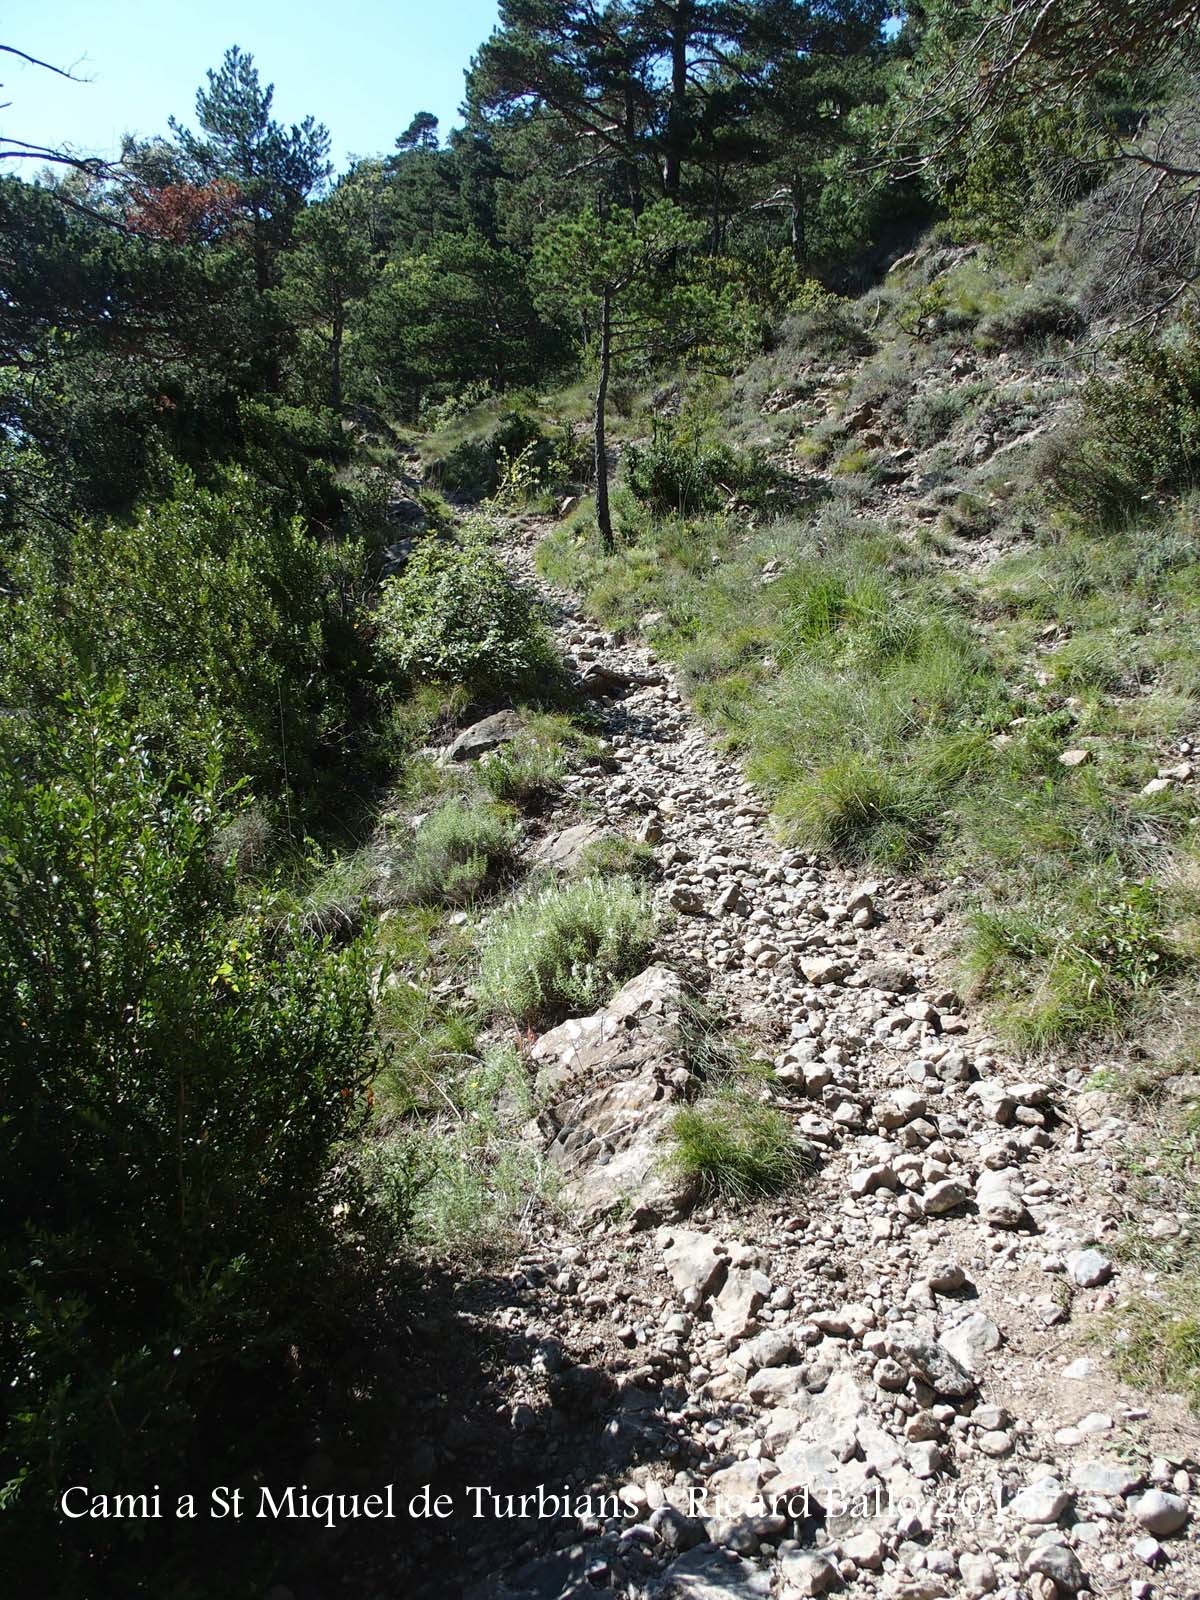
(565, 949)
(904, 716)
(458, 851)
(1156, 1334)
(461, 1178)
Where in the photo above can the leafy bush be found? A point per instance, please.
(1040, 316)
(176, 1082)
(437, 414)
(368, 489)
(482, 464)
(213, 610)
(457, 851)
(455, 616)
(566, 949)
(678, 474)
(969, 516)
(929, 314)
(732, 1145)
(675, 473)
(853, 462)
(470, 468)
(1140, 432)
(293, 451)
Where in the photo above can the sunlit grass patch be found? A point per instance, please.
(731, 1145)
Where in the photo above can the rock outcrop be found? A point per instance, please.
(607, 1087)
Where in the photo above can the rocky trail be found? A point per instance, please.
(891, 1383)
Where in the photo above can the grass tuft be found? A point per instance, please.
(1078, 966)
(731, 1145)
(524, 774)
(463, 1181)
(613, 856)
(1156, 1334)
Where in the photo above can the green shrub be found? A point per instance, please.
(969, 517)
(732, 1145)
(176, 1082)
(291, 452)
(479, 465)
(929, 313)
(455, 616)
(436, 414)
(1140, 434)
(678, 474)
(470, 468)
(1039, 316)
(853, 462)
(216, 614)
(458, 851)
(368, 491)
(566, 949)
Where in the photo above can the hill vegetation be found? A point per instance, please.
(863, 384)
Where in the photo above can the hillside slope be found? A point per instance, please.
(877, 1176)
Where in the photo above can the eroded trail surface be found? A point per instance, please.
(889, 1384)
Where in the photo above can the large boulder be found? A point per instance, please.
(500, 728)
(608, 1086)
(565, 851)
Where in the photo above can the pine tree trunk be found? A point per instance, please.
(799, 237)
(335, 364)
(603, 515)
(677, 112)
(631, 177)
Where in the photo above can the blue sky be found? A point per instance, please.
(363, 67)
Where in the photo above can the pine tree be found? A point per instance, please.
(275, 169)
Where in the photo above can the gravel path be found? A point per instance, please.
(911, 1341)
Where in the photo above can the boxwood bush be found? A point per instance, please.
(454, 615)
(177, 1077)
